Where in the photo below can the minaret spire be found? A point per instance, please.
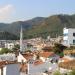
(21, 40)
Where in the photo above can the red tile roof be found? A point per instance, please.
(68, 65)
(38, 62)
(2, 63)
(65, 59)
(46, 54)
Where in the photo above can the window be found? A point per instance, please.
(74, 34)
(73, 41)
(65, 34)
(65, 41)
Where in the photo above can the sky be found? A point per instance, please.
(21, 10)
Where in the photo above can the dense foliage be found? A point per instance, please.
(69, 73)
(58, 49)
(5, 50)
(16, 47)
(57, 73)
(72, 72)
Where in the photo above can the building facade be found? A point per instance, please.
(9, 68)
(69, 36)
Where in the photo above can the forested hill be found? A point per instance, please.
(41, 26)
(52, 26)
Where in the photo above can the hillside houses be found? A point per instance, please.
(8, 57)
(37, 59)
(24, 57)
(48, 56)
(32, 64)
(34, 67)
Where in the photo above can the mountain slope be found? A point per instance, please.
(52, 26)
(41, 26)
(15, 26)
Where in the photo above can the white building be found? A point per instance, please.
(38, 67)
(9, 68)
(8, 57)
(69, 36)
(9, 45)
(48, 57)
(21, 58)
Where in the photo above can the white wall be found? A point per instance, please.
(69, 37)
(43, 59)
(63, 71)
(4, 70)
(9, 57)
(0, 71)
(9, 45)
(20, 58)
(35, 69)
(65, 38)
(12, 69)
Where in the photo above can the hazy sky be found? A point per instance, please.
(16, 10)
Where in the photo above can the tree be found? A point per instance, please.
(72, 72)
(57, 73)
(16, 47)
(5, 50)
(29, 51)
(58, 49)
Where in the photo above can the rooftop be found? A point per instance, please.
(68, 65)
(27, 55)
(3, 63)
(46, 54)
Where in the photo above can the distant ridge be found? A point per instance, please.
(41, 26)
(52, 26)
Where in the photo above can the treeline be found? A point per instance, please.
(7, 36)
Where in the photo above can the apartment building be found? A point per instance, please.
(69, 36)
